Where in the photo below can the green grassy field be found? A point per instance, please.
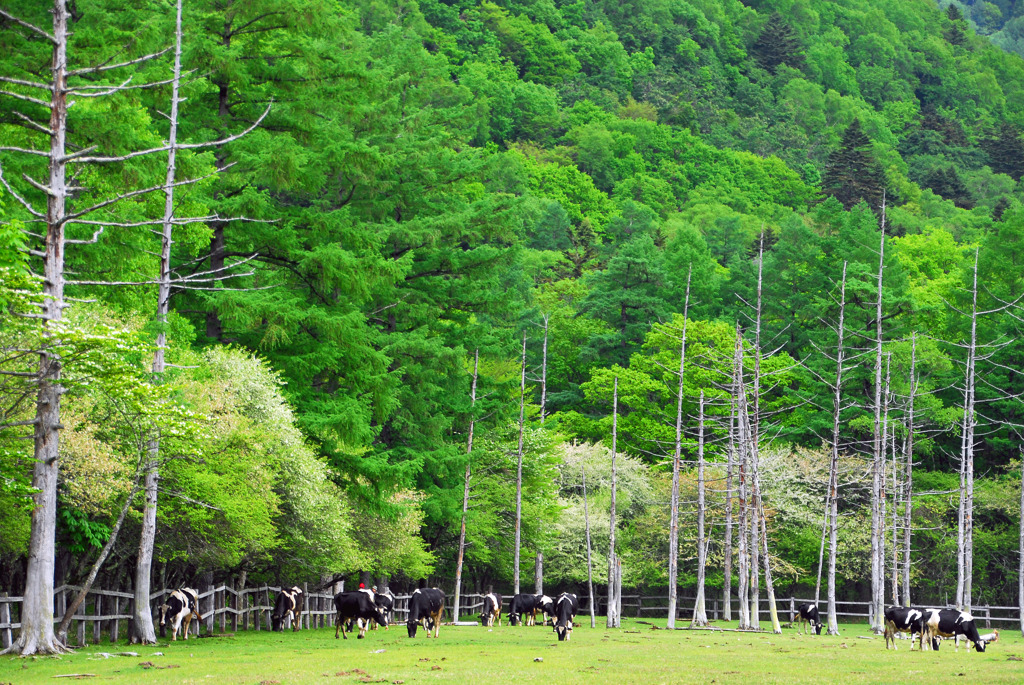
(635, 654)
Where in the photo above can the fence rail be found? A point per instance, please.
(108, 613)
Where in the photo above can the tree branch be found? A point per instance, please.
(31, 27)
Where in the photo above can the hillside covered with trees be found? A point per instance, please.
(390, 200)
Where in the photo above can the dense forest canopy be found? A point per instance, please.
(435, 179)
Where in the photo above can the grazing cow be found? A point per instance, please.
(809, 614)
(426, 605)
(545, 606)
(288, 602)
(355, 606)
(950, 623)
(182, 604)
(521, 609)
(565, 613)
(903, 620)
(385, 601)
(492, 610)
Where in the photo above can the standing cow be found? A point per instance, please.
(521, 609)
(288, 602)
(492, 610)
(426, 606)
(385, 601)
(355, 606)
(950, 623)
(545, 606)
(565, 613)
(809, 614)
(182, 604)
(903, 620)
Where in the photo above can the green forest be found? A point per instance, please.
(404, 196)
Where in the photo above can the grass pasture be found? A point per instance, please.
(635, 654)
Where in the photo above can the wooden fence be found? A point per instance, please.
(106, 614)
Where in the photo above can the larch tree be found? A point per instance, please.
(832, 499)
(700, 614)
(519, 468)
(612, 614)
(673, 530)
(465, 486)
(908, 471)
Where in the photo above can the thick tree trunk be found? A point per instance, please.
(832, 504)
(37, 635)
(465, 487)
(538, 574)
(700, 615)
(908, 478)
(612, 614)
(519, 467)
(673, 530)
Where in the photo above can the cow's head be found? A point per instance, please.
(562, 630)
(381, 617)
(980, 645)
(817, 628)
(163, 613)
(413, 625)
(513, 618)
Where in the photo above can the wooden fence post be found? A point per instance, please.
(5, 617)
(266, 612)
(988, 616)
(114, 622)
(97, 625)
(80, 611)
(792, 609)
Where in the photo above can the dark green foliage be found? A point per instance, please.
(956, 32)
(852, 174)
(1006, 151)
(777, 44)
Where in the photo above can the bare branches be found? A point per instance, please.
(143, 191)
(108, 67)
(26, 98)
(30, 84)
(31, 27)
(22, 201)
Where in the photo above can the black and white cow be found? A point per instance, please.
(426, 606)
(182, 604)
(521, 609)
(545, 606)
(950, 623)
(288, 602)
(358, 606)
(492, 610)
(385, 601)
(565, 613)
(903, 620)
(809, 614)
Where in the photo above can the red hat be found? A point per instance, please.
(361, 586)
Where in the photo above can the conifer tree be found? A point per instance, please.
(852, 174)
(1006, 151)
(956, 33)
(777, 44)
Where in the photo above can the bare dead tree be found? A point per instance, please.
(673, 530)
(465, 486)
(832, 502)
(700, 615)
(896, 493)
(544, 371)
(882, 484)
(519, 467)
(590, 568)
(741, 442)
(727, 549)
(877, 567)
(965, 518)
(1020, 558)
(908, 472)
(612, 614)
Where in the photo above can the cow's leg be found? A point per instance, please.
(437, 622)
(362, 628)
(188, 622)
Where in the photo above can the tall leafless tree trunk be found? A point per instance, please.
(895, 520)
(590, 568)
(727, 551)
(142, 618)
(519, 467)
(612, 614)
(908, 472)
(741, 444)
(544, 371)
(1020, 558)
(700, 615)
(753, 448)
(832, 503)
(673, 530)
(883, 488)
(965, 527)
(465, 486)
(877, 568)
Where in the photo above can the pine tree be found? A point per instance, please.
(1006, 151)
(778, 44)
(956, 34)
(852, 174)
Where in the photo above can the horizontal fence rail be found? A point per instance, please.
(107, 614)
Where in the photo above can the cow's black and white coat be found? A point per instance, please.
(289, 602)
(950, 623)
(491, 611)
(903, 620)
(521, 609)
(358, 606)
(385, 601)
(425, 606)
(546, 607)
(809, 614)
(183, 604)
(565, 613)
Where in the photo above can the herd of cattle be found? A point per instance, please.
(929, 625)
(364, 607)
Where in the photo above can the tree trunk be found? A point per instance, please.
(612, 615)
(753, 435)
(465, 488)
(544, 372)
(590, 568)
(37, 635)
(895, 521)
(727, 551)
(883, 492)
(832, 503)
(965, 527)
(742, 535)
(673, 530)
(700, 615)
(1020, 558)
(908, 479)
(538, 574)
(519, 467)
(877, 569)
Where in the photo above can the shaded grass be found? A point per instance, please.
(635, 654)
